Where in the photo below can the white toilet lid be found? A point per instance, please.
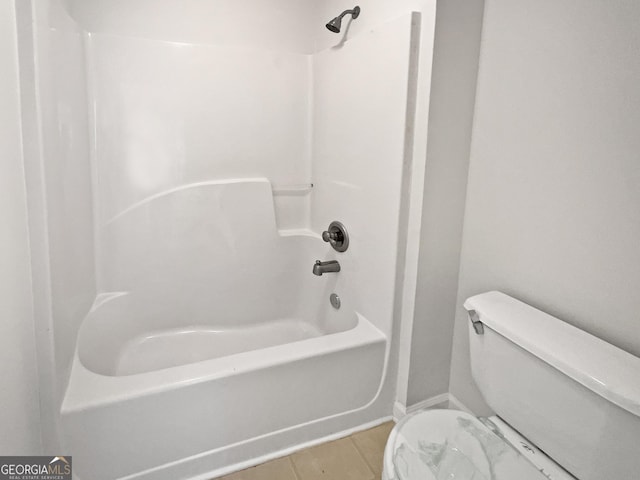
(452, 445)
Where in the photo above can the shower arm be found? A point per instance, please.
(354, 13)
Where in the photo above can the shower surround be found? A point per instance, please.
(206, 174)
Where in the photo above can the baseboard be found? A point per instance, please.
(444, 400)
(456, 404)
(400, 410)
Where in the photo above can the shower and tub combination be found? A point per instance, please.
(225, 283)
(239, 343)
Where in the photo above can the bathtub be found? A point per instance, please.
(136, 404)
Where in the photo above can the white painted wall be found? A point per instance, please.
(552, 214)
(455, 68)
(19, 412)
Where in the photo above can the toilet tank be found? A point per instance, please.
(575, 396)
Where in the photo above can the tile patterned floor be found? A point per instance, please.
(357, 457)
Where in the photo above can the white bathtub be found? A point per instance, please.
(129, 334)
(142, 401)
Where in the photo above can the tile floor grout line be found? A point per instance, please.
(362, 456)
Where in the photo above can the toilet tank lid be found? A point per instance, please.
(603, 368)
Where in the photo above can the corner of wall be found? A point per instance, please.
(455, 67)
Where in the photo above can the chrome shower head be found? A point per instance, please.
(335, 24)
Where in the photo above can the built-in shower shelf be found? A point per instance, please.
(292, 189)
(291, 204)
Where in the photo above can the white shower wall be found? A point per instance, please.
(57, 174)
(19, 414)
(169, 114)
(279, 25)
(360, 148)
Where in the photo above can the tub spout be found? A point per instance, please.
(325, 267)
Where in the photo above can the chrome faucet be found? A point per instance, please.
(325, 267)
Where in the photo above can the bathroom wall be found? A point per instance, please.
(443, 112)
(170, 114)
(453, 86)
(552, 213)
(360, 120)
(58, 181)
(19, 412)
(281, 25)
(375, 12)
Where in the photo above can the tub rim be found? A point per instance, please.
(87, 389)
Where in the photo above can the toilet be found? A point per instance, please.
(567, 406)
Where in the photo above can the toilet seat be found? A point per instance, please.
(449, 444)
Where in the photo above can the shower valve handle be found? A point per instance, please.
(336, 235)
(332, 237)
